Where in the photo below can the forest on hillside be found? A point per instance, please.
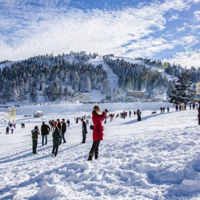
(57, 72)
(67, 74)
(138, 77)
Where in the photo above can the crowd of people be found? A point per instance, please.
(59, 128)
(58, 133)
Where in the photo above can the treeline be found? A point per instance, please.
(174, 69)
(57, 72)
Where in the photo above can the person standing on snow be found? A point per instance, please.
(138, 115)
(44, 132)
(59, 124)
(12, 128)
(84, 130)
(56, 141)
(68, 122)
(7, 130)
(97, 119)
(199, 115)
(63, 130)
(35, 132)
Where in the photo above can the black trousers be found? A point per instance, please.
(95, 147)
(55, 149)
(35, 146)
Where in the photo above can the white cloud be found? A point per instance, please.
(187, 41)
(62, 29)
(187, 59)
(173, 17)
(197, 15)
(146, 48)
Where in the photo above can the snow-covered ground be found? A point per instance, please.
(156, 158)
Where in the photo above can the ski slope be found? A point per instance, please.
(156, 158)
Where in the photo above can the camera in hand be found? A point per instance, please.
(106, 110)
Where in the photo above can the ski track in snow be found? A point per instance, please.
(157, 158)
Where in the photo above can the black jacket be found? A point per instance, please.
(64, 127)
(59, 126)
(45, 129)
(84, 127)
(56, 136)
(35, 134)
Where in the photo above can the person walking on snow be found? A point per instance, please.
(97, 119)
(63, 130)
(56, 141)
(44, 132)
(84, 130)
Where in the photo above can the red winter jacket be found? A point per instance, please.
(98, 128)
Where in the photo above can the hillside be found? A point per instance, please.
(66, 75)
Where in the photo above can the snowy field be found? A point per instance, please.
(157, 158)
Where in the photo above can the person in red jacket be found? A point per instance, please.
(97, 119)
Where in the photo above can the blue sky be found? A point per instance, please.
(167, 30)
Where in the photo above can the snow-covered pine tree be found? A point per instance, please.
(55, 89)
(76, 81)
(33, 95)
(183, 91)
(60, 93)
(65, 93)
(87, 84)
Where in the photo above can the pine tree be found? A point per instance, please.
(87, 84)
(60, 93)
(76, 81)
(33, 95)
(182, 92)
(65, 93)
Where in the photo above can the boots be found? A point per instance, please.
(96, 154)
(90, 157)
